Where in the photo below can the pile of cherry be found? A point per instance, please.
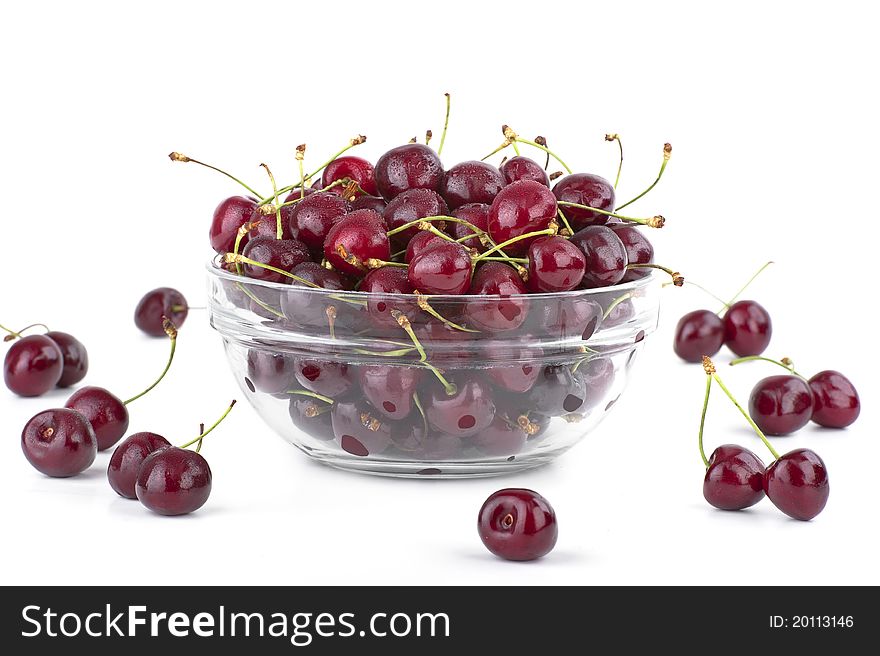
(63, 442)
(796, 482)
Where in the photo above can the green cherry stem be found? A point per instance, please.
(171, 331)
(552, 230)
(418, 403)
(374, 263)
(750, 281)
(300, 156)
(215, 424)
(422, 302)
(496, 151)
(709, 368)
(667, 153)
(12, 334)
(294, 201)
(703, 420)
(15, 335)
(617, 301)
(616, 137)
(314, 395)
(785, 363)
(652, 222)
(179, 157)
(677, 278)
(279, 229)
(404, 323)
(514, 138)
(565, 224)
(517, 260)
(201, 433)
(445, 124)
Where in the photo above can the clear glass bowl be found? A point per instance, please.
(538, 373)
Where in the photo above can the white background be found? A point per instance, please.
(772, 112)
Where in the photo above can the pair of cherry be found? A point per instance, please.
(736, 478)
(745, 328)
(36, 364)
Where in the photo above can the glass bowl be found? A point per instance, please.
(339, 374)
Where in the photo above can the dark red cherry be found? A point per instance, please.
(555, 265)
(781, 404)
(388, 280)
(104, 411)
(284, 254)
(500, 438)
(698, 333)
(605, 256)
(353, 168)
(422, 241)
(354, 239)
(476, 214)
(228, 218)
(375, 203)
(517, 524)
(174, 481)
(125, 464)
(59, 442)
(835, 400)
(311, 416)
(564, 318)
(471, 182)
(75, 357)
(797, 484)
(747, 328)
(412, 166)
(444, 269)
(306, 308)
(498, 282)
(520, 208)
(158, 304)
(585, 189)
(514, 368)
(33, 365)
(523, 168)
(358, 429)
(463, 414)
(557, 391)
(734, 478)
(311, 219)
(638, 249)
(390, 388)
(597, 375)
(270, 372)
(410, 206)
(324, 377)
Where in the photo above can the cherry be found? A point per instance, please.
(156, 306)
(797, 484)
(638, 249)
(353, 168)
(597, 375)
(520, 208)
(698, 333)
(324, 377)
(75, 358)
(105, 412)
(374, 203)
(59, 443)
(127, 459)
(284, 254)
(734, 478)
(33, 365)
(422, 241)
(311, 218)
(476, 214)
(414, 440)
(780, 405)
(471, 182)
(390, 388)
(521, 374)
(173, 481)
(557, 391)
(358, 431)
(517, 524)
(444, 269)
(555, 265)
(498, 312)
(835, 400)
(410, 206)
(356, 238)
(311, 417)
(270, 372)
(463, 414)
(229, 217)
(565, 318)
(411, 166)
(605, 256)
(523, 168)
(305, 308)
(500, 438)
(388, 280)
(585, 189)
(747, 328)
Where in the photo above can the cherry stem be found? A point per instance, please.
(15, 335)
(617, 301)
(565, 224)
(543, 141)
(300, 156)
(171, 331)
(445, 124)
(616, 137)
(418, 403)
(750, 281)
(294, 201)
(667, 153)
(544, 148)
(517, 260)
(700, 287)
(434, 231)
(422, 302)
(703, 420)
(404, 323)
(709, 368)
(652, 222)
(279, 229)
(375, 263)
(552, 230)
(497, 150)
(178, 157)
(330, 311)
(390, 354)
(314, 395)
(12, 333)
(677, 278)
(785, 363)
(258, 301)
(201, 430)
(216, 423)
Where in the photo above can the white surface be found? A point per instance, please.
(772, 113)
